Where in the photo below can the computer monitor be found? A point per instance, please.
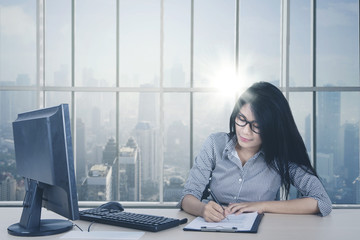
(44, 157)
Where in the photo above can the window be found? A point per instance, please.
(148, 80)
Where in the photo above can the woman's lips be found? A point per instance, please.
(244, 139)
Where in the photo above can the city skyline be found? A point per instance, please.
(338, 176)
(167, 74)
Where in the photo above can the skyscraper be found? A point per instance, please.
(177, 75)
(351, 150)
(109, 153)
(147, 107)
(98, 184)
(109, 157)
(23, 100)
(6, 108)
(149, 165)
(7, 187)
(328, 123)
(81, 165)
(327, 142)
(129, 166)
(61, 77)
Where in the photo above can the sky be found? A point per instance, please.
(214, 46)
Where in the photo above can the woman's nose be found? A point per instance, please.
(247, 128)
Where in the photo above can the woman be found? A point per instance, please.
(263, 152)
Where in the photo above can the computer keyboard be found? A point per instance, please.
(139, 221)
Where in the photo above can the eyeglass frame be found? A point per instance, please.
(246, 122)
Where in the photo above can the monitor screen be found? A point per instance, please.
(44, 157)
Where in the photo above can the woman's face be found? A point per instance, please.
(246, 137)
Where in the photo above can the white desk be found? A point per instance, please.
(341, 224)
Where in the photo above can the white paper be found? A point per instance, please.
(108, 235)
(242, 222)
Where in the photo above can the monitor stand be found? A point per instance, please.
(30, 223)
(47, 227)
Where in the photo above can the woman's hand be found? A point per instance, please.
(293, 206)
(237, 208)
(213, 212)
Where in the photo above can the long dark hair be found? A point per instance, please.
(281, 141)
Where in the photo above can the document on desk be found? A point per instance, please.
(245, 222)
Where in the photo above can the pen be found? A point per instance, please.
(218, 229)
(216, 200)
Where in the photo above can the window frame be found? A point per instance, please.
(41, 87)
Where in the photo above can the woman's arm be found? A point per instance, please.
(211, 212)
(199, 178)
(294, 206)
(310, 186)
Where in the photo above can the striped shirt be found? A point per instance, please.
(232, 182)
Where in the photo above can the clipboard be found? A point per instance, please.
(243, 223)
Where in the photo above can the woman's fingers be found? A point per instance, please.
(213, 212)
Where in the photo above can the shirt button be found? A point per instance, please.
(234, 197)
(240, 179)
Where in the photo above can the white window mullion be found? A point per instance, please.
(313, 80)
(40, 53)
(162, 121)
(284, 48)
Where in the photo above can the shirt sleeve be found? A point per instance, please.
(310, 186)
(200, 172)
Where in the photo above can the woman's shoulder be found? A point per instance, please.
(220, 137)
(219, 140)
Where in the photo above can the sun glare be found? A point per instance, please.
(228, 82)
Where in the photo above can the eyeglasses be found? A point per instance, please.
(241, 121)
